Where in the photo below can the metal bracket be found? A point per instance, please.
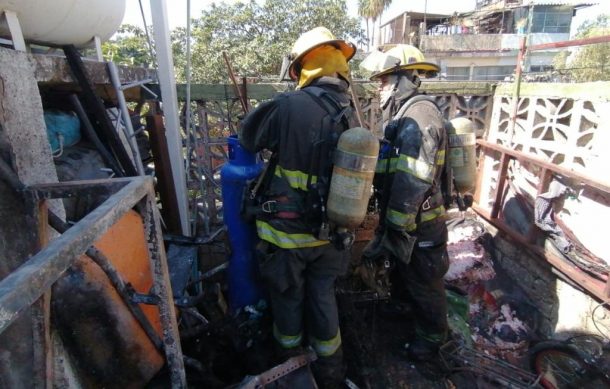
(14, 28)
(141, 298)
(277, 372)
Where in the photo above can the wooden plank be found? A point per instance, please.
(224, 91)
(499, 194)
(462, 88)
(28, 283)
(591, 284)
(42, 356)
(522, 157)
(163, 172)
(364, 89)
(162, 288)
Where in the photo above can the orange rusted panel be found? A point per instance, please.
(125, 246)
(109, 345)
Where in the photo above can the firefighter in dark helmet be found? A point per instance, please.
(299, 261)
(412, 215)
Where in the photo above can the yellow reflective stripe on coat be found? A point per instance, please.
(296, 178)
(406, 220)
(382, 165)
(440, 158)
(287, 341)
(422, 170)
(326, 348)
(432, 214)
(286, 240)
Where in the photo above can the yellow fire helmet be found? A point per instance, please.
(311, 39)
(400, 57)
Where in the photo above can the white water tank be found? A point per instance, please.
(62, 22)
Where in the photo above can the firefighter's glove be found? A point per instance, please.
(392, 244)
(399, 244)
(374, 251)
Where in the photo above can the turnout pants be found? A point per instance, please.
(301, 284)
(422, 278)
(301, 288)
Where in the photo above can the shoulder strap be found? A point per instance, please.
(411, 102)
(329, 104)
(264, 179)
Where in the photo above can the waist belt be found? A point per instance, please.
(281, 208)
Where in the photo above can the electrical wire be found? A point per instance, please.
(150, 44)
(604, 303)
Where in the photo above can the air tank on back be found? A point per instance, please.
(462, 153)
(350, 186)
(240, 169)
(63, 22)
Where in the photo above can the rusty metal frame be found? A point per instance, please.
(594, 286)
(31, 281)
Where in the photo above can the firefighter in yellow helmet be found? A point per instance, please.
(299, 258)
(412, 227)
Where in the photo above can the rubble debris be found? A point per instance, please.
(470, 263)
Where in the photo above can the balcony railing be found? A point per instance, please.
(485, 3)
(484, 42)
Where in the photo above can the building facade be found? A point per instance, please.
(483, 44)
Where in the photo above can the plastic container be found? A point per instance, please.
(63, 22)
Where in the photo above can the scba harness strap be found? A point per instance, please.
(283, 207)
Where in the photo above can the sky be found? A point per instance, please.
(177, 9)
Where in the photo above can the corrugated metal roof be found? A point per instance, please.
(575, 3)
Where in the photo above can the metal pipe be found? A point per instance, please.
(92, 135)
(167, 82)
(242, 100)
(356, 101)
(113, 72)
(187, 114)
(575, 42)
(518, 74)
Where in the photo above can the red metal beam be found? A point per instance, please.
(575, 42)
(523, 157)
(594, 286)
(498, 196)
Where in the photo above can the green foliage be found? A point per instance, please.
(128, 47)
(257, 35)
(372, 10)
(591, 62)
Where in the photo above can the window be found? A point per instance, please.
(492, 73)
(540, 68)
(458, 73)
(551, 19)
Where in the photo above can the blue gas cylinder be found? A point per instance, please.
(242, 166)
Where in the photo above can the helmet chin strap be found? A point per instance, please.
(404, 86)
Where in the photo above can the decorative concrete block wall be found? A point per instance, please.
(568, 125)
